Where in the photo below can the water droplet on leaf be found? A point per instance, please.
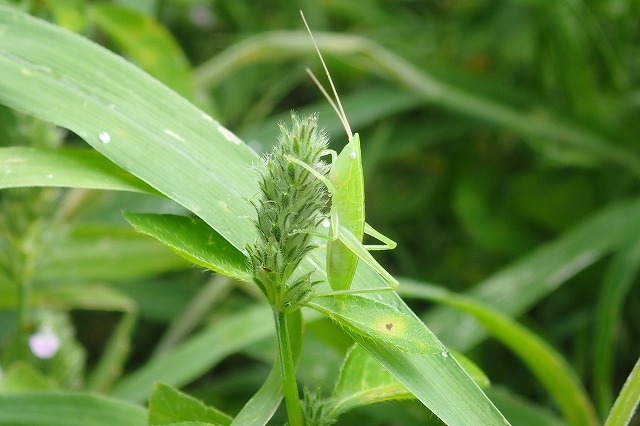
(104, 137)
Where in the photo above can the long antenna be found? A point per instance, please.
(337, 105)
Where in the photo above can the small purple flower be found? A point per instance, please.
(44, 344)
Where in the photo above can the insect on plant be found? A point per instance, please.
(347, 226)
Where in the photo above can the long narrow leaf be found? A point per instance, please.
(381, 61)
(517, 287)
(547, 364)
(363, 381)
(628, 400)
(619, 279)
(168, 406)
(24, 166)
(68, 409)
(194, 240)
(198, 354)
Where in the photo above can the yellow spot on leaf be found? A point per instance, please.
(391, 326)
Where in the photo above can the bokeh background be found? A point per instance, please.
(491, 130)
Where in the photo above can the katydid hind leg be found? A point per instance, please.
(389, 244)
(355, 246)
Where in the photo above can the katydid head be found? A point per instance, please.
(336, 105)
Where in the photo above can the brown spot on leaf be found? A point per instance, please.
(389, 326)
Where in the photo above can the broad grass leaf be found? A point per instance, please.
(378, 321)
(196, 355)
(21, 377)
(364, 381)
(169, 406)
(103, 252)
(26, 166)
(547, 364)
(68, 409)
(195, 241)
(517, 287)
(147, 42)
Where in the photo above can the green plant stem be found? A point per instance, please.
(24, 289)
(24, 283)
(285, 355)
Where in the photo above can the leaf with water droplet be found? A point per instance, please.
(380, 322)
(104, 137)
(194, 240)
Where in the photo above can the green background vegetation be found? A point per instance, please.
(500, 144)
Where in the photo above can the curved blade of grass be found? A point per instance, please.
(194, 240)
(114, 355)
(25, 166)
(113, 253)
(70, 296)
(261, 407)
(200, 305)
(162, 139)
(517, 287)
(620, 277)
(198, 354)
(628, 399)
(546, 363)
(68, 409)
(522, 412)
(365, 107)
(21, 377)
(142, 126)
(264, 403)
(543, 124)
(147, 42)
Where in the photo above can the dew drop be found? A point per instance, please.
(104, 137)
(353, 156)
(326, 223)
(50, 176)
(445, 354)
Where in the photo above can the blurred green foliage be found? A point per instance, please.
(464, 190)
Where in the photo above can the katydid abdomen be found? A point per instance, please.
(347, 204)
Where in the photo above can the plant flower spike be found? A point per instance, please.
(292, 200)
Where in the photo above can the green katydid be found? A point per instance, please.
(345, 183)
